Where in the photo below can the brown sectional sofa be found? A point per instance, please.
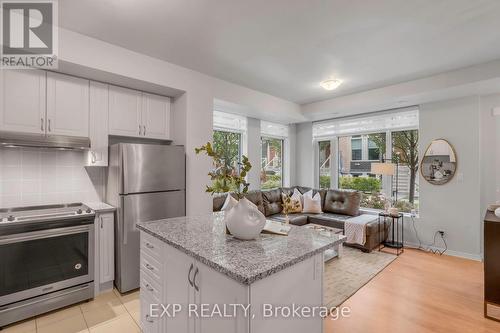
(337, 206)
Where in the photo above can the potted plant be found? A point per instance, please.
(289, 206)
(244, 220)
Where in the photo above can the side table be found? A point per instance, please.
(397, 239)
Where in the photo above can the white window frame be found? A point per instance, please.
(334, 168)
(286, 162)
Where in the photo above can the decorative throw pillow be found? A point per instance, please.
(312, 204)
(295, 205)
(229, 203)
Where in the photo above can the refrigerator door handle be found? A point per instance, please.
(123, 222)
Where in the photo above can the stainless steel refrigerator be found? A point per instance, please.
(146, 182)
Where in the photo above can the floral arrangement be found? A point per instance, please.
(226, 177)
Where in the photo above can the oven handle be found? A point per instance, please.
(42, 234)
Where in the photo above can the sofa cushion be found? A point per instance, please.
(329, 220)
(342, 202)
(295, 219)
(253, 196)
(256, 197)
(272, 202)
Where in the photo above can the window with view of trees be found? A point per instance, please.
(228, 144)
(272, 163)
(324, 164)
(355, 173)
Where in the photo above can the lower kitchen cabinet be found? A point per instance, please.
(105, 247)
(207, 298)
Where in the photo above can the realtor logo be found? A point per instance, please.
(29, 34)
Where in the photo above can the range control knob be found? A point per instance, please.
(88, 211)
(79, 211)
(11, 218)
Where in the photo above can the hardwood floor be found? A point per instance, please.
(419, 292)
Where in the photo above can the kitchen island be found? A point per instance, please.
(196, 278)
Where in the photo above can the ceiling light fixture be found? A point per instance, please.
(330, 84)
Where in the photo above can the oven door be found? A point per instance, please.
(43, 261)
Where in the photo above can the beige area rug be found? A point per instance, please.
(346, 275)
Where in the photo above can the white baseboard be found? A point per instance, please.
(471, 256)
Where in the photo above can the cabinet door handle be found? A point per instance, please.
(151, 268)
(194, 279)
(41, 124)
(140, 130)
(94, 159)
(189, 275)
(149, 246)
(49, 126)
(149, 319)
(148, 287)
(100, 218)
(144, 129)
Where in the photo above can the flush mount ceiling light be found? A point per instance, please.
(330, 84)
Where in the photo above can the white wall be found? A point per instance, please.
(192, 111)
(304, 152)
(30, 177)
(254, 152)
(454, 207)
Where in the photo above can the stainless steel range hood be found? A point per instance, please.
(15, 139)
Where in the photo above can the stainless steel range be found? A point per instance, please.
(46, 259)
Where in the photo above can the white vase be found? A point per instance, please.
(244, 220)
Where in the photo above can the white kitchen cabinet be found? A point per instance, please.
(105, 255)
(98, 131)
(22, 101)
(155, 117)
(67, 105)
(125, 107)
(169, 276)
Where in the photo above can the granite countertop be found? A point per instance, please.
(100, 207)
(204, 238)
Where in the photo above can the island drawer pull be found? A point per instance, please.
(148, 266)
(149, 319)
(149, 246)
(148, 287)
(189, 275)
(194, 279)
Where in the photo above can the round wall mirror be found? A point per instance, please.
(439, 163)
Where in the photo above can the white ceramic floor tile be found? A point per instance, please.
(122, 324)
(73, 324)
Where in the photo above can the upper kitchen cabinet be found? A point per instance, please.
(22, 101)
(99, 101)
(124, 112)
(67, 105)
(156, 116)
(133, 113)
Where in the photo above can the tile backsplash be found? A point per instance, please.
(30, 176)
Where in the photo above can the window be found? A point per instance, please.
(355, 173)
(374, 152)
(356, 151)
(406, 180)
(228, 144)
(272, 163)
(324, 164)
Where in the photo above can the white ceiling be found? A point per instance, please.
(285, 47)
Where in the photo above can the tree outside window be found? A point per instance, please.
(228, 145)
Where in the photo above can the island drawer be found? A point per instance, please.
(150, 287)
(150, 320)
(151, 266)
(151, 246)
